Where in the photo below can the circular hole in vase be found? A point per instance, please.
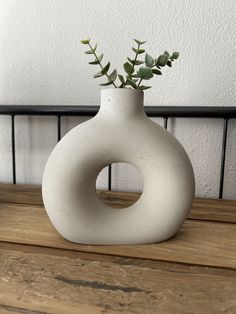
(124, 178)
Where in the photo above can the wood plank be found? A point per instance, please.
(41, 280)
(21, 193)
(202, 209)
(198, 242)
(213, 210)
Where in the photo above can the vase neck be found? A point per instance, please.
(121, 103)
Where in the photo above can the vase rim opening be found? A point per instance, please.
(122, 90)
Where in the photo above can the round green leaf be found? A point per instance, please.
(162, 60)
(166, 53)
(169, 63)
(145, 73)
(149, 61)
(128, 68)
(175, 55)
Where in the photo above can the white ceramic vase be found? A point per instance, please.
(120, 132)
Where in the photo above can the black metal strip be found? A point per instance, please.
(13, 149)
(151, 111)
(58, 128)
(223, 154)
(165, 122)
(109, 177)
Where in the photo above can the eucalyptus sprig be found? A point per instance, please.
(133, 76)
(104, 69)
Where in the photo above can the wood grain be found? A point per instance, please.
(202, 209)
(213, 210)
(20, 193)
(198, 242)
(41, 273)
(42, 280)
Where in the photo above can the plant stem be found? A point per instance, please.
(101, 65)
(136, 56)
(140, 82)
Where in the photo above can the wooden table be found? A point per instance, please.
(40, 272)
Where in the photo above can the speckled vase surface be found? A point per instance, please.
(120, 132)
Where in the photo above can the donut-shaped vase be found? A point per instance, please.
(120, 132)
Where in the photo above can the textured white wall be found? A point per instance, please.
(42, 62)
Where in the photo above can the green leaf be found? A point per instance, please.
(99, 74)
(121, 78)
(149, 61)
(169, 63)
(162, 60)
(98, 60)
(139, 42)
(138, 62)
(107, 83)
(132, 83)
(113, 76)
(95, 47)
(135, 62)
(131, 61)
(145, 73)
(128, 68)
(85, 41)
(142, 87)
(100, 57)
(138, 51)
(106, 68)
(166, 53)
(89, 52)
(157, 72)
(94, 62)
(175, 55)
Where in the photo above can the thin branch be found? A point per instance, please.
(101, 64)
